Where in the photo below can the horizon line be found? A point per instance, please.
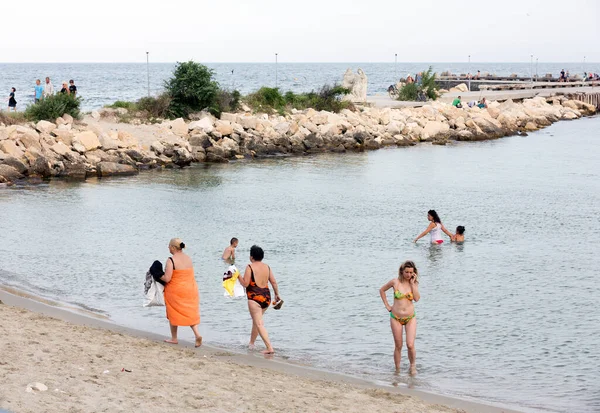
(306, 62)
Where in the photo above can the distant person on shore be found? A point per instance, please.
(435, 228)
(402, 313)
(12, 103)
(48, 88)
(482, 104)
(229, 253)
(38, 91)
(419, 78)
(457, 103)
(256, 280)
(477, 76)
(65, 88)
(562, 76)
(181, 292)
(72, 88)
(409, 79)
(460, 234)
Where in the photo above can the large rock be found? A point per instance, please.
(357, 83)
(60, 148)
(44, 126)
(460, 88)
(10, 148)
(88, 140)
(248, 122)
(104, 169)
(204, 125)
(224, 128)
(17, 164)
(107, 143)
(179, 127)
(434, 129)
(10, 173)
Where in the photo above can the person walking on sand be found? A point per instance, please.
(38, 91)
(229, 253)
(12, 103)
(402, 313)
(48, 88)
(181, 292)
(435, 228)
(256, 279)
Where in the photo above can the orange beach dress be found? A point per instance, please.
(182, 299)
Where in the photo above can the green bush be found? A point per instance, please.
(52, 107)
(328, 98)
(122, 104)
(226, 101)
(426, 89)
(408, 92)
(157, 107)
(191, 89)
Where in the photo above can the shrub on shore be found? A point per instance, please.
(53, 107)
(191, 89)
(122, 104)
(426, 89)
(12, 118)
(328, 98)
(156, 107)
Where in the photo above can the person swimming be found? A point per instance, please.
(460, 234)
(402, 313)
(229, 253)
(435, 228)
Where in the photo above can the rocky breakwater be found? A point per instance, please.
(65, 148)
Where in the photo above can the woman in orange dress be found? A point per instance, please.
(181, 292)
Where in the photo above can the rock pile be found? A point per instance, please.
(65, 148)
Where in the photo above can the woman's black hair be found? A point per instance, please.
(13, 89)
(435, 216)
(460, 229)
(257, 253)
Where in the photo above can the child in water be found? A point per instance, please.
(460, 234)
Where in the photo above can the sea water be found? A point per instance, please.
(509, 317)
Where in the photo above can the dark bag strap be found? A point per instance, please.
(172, 262)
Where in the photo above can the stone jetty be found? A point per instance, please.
(98, 146)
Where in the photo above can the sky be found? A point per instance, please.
(299, 31)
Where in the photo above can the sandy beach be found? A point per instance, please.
(87, 367)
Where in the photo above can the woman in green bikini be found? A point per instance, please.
(402, 313)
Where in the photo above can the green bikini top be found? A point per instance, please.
(399, 295)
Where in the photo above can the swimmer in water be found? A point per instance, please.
(460, 234)
(402, 313)
(435, 228)
(229, 253)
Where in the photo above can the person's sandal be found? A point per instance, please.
(278, 305)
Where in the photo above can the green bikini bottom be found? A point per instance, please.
(403, 320)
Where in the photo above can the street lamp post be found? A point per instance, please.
(531, 71)
(395, 68)
(469, 73)
(276, 74)
(584, 71)
(537, 77)
(148, 70)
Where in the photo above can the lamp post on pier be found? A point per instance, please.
(531, 71)
(584, 71)
(469, 73)
(148, 70)
(537, 77)
(276, 74)
(395, 68)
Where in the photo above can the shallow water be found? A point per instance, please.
(103, 83)
(509, 317)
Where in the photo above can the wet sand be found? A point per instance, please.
(89, 365)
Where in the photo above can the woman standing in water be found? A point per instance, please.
(435, 228)
(181, 292)
(256, 280)
(402, 313)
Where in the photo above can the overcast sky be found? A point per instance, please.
(300, 31)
